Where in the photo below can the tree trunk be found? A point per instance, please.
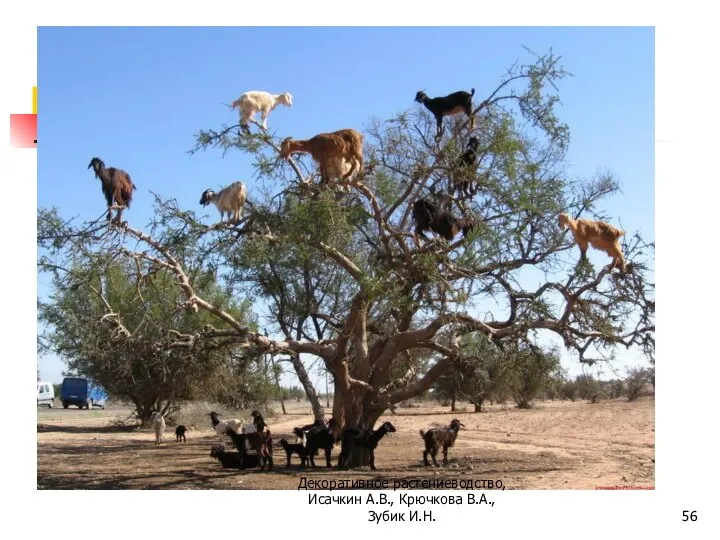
(277, 385)
(452, 401)
(478, 405)
(301, 372)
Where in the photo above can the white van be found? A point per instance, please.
(45, 394)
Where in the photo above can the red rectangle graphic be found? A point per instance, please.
(23, 130)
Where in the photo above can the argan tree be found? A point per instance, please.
(344, 280)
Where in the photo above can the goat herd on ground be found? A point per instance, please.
(254, 443)
(339, 155)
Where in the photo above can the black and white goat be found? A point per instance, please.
(229, 200)
(258, 421)
(221, 426)
(449, 105)
(319, 438)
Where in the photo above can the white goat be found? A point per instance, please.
(264, 102)
(158, 421)
(229, 200)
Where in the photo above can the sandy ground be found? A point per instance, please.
(557, 445)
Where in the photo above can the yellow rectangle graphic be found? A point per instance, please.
(34, 100)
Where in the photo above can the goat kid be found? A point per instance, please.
(180, 433)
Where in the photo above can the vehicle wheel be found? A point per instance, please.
(50, 405)
(103, 406)
(65, 405)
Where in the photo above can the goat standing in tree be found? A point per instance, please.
(463, 175)
(259, 101)
(230, 200)
(428, 217)
(339, 154)
(449, 105)
(600, 235)
(116, 186)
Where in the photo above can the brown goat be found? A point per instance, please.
(328, 150)
(437, 438)
(600, 235)
(116, 185)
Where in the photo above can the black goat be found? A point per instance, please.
(365, 439)
(234, 460)
(291, 449)
(451, 104)
(302, 430)
(258, 441)
(180, 433)
(436, 438)
(464, 171)
(428, 217)
(258, 421)
(317, 438)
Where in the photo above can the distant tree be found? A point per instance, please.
(119, 331)
(530, 371)
(637, 380)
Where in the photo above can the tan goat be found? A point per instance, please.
(331, 151)
(600, 235)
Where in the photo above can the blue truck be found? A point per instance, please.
(82, 392)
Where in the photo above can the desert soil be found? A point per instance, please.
(556, 445)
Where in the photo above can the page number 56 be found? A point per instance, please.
(689, 515)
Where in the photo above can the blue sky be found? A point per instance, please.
(136, 96)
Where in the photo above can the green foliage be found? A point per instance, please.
(638, 380)
(115, 329)
(531, 369)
